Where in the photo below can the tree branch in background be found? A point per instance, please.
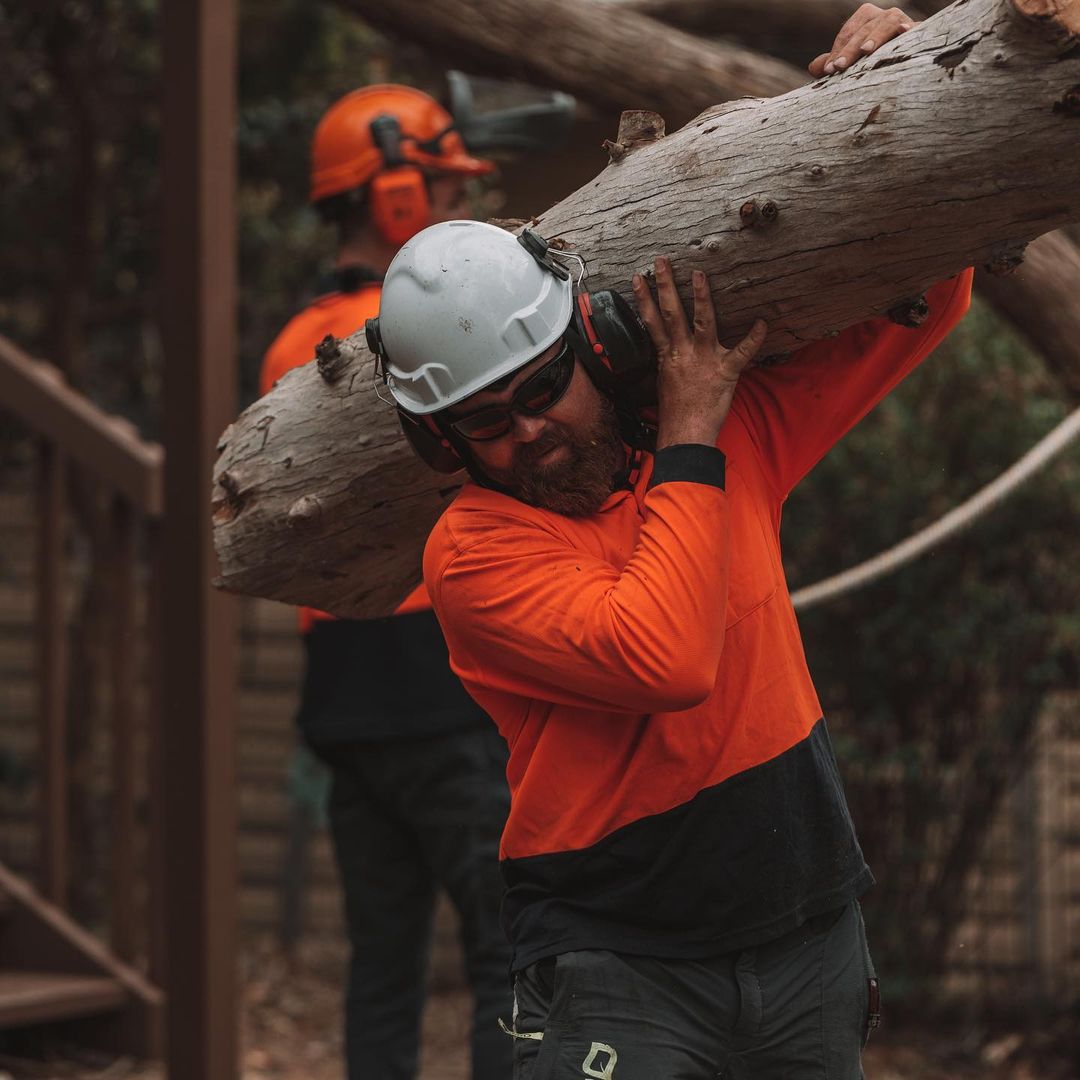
(621, 63)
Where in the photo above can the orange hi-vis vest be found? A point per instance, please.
(674, 789)
(339, 314)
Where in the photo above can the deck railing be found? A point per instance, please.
(73, 435)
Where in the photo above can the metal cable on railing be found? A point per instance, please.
(1044, 451)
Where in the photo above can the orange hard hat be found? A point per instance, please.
(344, 154)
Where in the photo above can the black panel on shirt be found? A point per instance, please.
(377, 679)
(740, 864)
(694, 462)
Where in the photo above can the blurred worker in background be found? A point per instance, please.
(418, 793)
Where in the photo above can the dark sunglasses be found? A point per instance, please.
(534, 396)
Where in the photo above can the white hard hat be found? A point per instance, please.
(463, 304)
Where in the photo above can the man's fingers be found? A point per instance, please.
(650, 316)
(866, 31)
(704, 311)
(671, 307)
(741, 355)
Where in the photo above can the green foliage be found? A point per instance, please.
(933, 677)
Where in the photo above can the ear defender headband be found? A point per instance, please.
(607, 337)
(398, 196)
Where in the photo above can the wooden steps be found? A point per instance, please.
(37, 997)
(54, 972)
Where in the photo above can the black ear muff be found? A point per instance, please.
(613, 344)
(397, 197)
(429, 444)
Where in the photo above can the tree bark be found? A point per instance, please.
(954, 144)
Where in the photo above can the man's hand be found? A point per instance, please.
(697, 376)
(868, 29)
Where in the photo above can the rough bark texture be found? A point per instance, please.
(956, 144)
(628, 62)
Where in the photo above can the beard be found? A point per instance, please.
(578, 485)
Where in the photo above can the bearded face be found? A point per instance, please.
(569, 470)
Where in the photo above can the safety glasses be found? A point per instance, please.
(534, 396)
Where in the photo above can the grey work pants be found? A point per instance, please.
(797, 1008)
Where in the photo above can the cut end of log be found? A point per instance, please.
(1063, 13)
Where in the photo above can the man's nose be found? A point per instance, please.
(528, 428)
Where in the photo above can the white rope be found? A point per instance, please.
(959, 518)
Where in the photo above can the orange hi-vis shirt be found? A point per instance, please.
(674, 791)
(339, 314)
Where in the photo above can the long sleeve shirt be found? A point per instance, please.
(673, 788)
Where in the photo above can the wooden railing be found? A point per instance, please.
(74, 436)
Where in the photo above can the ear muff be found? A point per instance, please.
(398, 200)
(615, 349)
(399, 205)
(429, 443)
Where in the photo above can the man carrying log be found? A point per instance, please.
(418, 796)
(681, 866)
(682, 871)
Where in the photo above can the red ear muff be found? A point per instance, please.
(614, 347)
(398, 203)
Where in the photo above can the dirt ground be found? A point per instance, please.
(291, 1032)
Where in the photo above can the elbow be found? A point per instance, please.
(682, 683)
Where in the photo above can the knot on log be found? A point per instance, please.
(1070, 103)
(1004, 262)
(637, 127)
(305, 514)
(228, 500)
(753, 215)
(910, 313)
(329, 359)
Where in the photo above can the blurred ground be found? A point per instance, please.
(290, 1032)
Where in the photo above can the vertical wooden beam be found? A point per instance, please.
(52, 676)
(123, 912)
(199, 317)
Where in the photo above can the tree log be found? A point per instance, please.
(606, 78)
(957, 143)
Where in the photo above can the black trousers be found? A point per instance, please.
(407, 817)
(797, 1008)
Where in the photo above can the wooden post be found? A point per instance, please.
(198, 180)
